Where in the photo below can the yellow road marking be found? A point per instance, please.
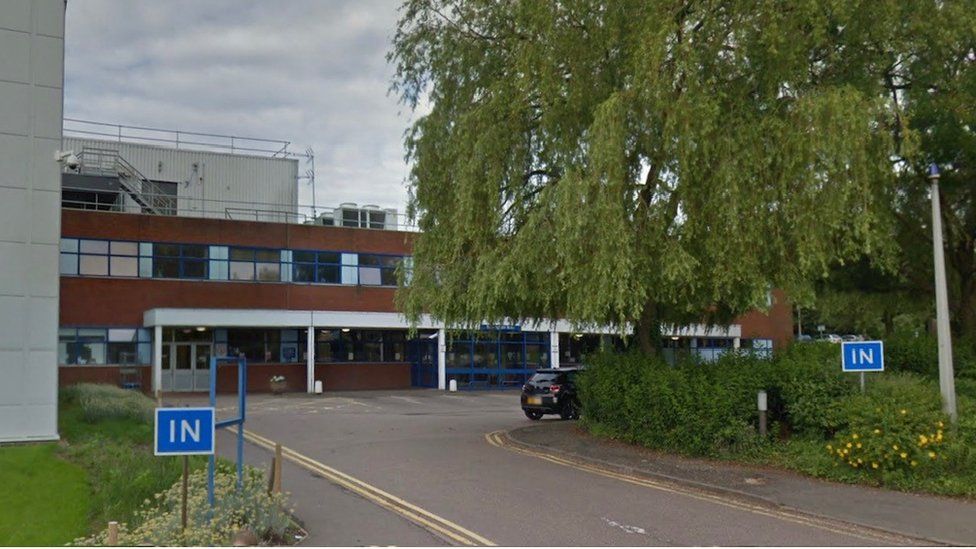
(453, 532)
(496, 439)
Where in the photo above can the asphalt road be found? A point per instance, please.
(429, 448)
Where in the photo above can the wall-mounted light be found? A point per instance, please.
(201, 329)
(674, 338)
(345, 330)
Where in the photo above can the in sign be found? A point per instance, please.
(862, 356)
(184, 431)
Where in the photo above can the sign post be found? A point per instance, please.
(237, 422)
(184, 432)
(862, 357)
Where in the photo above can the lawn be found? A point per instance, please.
(46, 500)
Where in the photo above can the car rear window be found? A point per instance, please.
(544, 377)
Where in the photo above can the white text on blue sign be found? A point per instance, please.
(862, 356)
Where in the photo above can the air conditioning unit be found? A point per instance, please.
(326, 219)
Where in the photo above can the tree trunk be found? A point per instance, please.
(648, 331)
(966, 316)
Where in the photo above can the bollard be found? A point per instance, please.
(113, 533)
(276, 486)
(452, 386)
(761, 403)
(318, 387)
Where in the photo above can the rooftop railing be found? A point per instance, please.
(212, 142)
(87, 198)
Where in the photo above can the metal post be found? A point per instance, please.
(242, 389)
(862, 383)
(211, 462)
(762, 405)
(947, 382)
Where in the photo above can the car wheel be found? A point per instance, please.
(569, 411)
(534, 415)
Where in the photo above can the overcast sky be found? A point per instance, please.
(312, 72)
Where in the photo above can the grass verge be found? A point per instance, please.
(46, 500)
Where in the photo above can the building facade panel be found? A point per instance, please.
(31, 100)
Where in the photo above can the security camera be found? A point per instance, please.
(67, 159)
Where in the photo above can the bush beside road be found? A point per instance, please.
(894, 436)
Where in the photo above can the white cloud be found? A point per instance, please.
(308, 71)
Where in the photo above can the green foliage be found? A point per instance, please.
(602, 162)
(896, 427)
(691, 408)
(810, 385)
(709, 409)
(45, 499)
(109, 434)
(99, 402)
(251, 507)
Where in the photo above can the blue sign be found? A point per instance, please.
(862, 356)
(184, 431)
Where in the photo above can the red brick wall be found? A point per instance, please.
(155, 228)
(776, 324)
(70, 375)
(344, 376)
(90, 301)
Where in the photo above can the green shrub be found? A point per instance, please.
(694, 408)
(99, 402)
(896, 427)
(810, 383)
(250, 507)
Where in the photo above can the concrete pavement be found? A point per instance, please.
(428, 448)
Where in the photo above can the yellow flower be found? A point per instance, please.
(877, 431)
(914, 463)
(932, 455)
(904, 455)
(922, 439)
(874, 465)
(849, 445)
(940, 425)
(830, 447)
(859, 461)
(858, 444)
(903, 411)
(894, 446)
(854, 436)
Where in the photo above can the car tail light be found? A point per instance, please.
(554, 389)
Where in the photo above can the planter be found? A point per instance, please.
(278, 387)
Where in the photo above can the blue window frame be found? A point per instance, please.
(316, 266)
(491, 359)
(180, 260)
(97, 257)
(378, 270)
(104, 345)
(257, 264)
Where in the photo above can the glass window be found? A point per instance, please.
(303, 256)
(69, 264)
(172, 250)
(194, 250)
(166, 268)
(370, 276)
(272, 256)
(93, 246)
(124, 266)
(93, 265)
(304, 272)
(328, 274)
(269, 272)
(125, 248)
(241, 254)
(69, 244)
(240, 270)
(194, 269)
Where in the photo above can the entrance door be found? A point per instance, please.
(186, 366)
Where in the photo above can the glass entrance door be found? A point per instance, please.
(186, 366)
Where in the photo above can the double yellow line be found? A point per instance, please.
(451, 532)
(874, 536)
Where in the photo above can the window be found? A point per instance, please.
(320, 267)
(95, 346)
(378, 270)
(255, 264)
(87, 257)
(256, 345)
(180, 260)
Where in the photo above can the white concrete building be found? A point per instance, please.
(31, 101)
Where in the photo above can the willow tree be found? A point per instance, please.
(638, 162)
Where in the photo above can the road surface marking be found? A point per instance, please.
(625, 527)
(497, 438)
(451, 531)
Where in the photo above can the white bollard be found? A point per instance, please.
(318, 387)
(452, 386)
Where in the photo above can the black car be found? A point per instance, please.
(551, 391)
